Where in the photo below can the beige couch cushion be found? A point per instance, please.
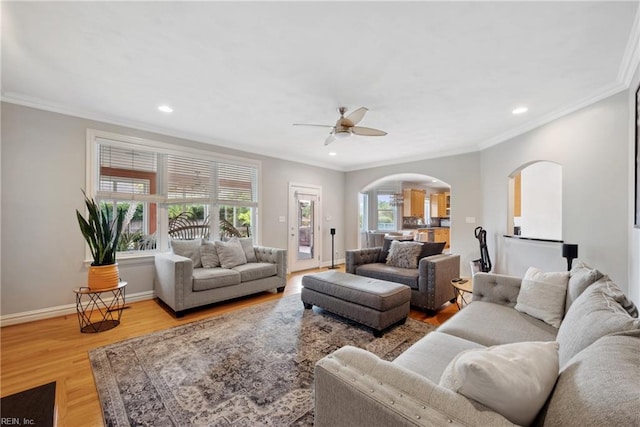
(580, 277)
(599, 311)
(256, 270)
(542, 295)
(492, 324)
(231, 253)
(209, 255)
(430, 355)
(188, 249)
(599, 385)
(512, 379)
(211, 278)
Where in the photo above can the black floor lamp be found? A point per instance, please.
(333, 251)
(570, 252)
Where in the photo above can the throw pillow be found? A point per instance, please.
(188, 249)
(514, 380)
(431, 248)
(580, 277)
(542, 295)
(384, 253)
(231, 253)
(602, 309)
(209, 255)
(404, 254)
(247, 247)
(386, 245)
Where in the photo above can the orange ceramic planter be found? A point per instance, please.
(103, 277)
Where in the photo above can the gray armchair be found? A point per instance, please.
(430, 283)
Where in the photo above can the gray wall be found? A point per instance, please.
(592, 146)
(43, 171)
(461, 172)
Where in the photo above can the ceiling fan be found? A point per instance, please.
(346, 126)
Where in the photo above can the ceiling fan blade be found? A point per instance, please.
(359, 130)
(355, 117)
(308, 124)
(329, 139)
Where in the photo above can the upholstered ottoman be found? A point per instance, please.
(371, 302)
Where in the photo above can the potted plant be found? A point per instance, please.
(102, 236)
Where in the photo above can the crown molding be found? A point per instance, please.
(631, 57)
(32, 102)
(605, 92)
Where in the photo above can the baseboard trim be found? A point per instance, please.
(60, 310)
(336, 263)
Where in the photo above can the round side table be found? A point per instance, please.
(99, 309)
(462, 286)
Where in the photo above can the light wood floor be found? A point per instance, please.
(49, 350)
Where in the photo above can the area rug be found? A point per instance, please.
(252, 367)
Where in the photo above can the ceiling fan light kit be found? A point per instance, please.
(346, 126)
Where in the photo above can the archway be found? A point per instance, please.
(535, 201)
(404, 203)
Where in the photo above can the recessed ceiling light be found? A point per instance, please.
(332, 153)
(165, 109)
(520, 110)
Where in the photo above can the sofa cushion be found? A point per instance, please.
(231, 253)
(492, 324)
(212, 278)
(384, 253)
(386, 245)
(247, 247)
(580, 277)
(406, 276)
(599, 311)
(431, 248)
(599, 385)
(542, 295)
(188, 249)
(514, 380)
(404, 254)
(256, 270)
(209, 255)
(430, 355)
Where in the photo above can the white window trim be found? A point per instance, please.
(127, 141)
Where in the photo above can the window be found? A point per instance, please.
(386, 212)
(170, 192)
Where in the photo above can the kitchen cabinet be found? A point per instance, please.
(440, 205)
(436, 234)
(414, 202)
(441, 235)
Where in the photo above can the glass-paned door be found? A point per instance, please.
(304, 227)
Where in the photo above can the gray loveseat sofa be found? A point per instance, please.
(598, 361)
(430, 283)
(182, 282)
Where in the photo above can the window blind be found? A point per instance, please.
(138, 174)
(126, 173)
(237, 183)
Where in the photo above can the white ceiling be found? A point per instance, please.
(439, 77)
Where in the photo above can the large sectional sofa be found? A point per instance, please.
(196, 273)
(591, 363)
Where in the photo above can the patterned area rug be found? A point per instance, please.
(251, 367)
